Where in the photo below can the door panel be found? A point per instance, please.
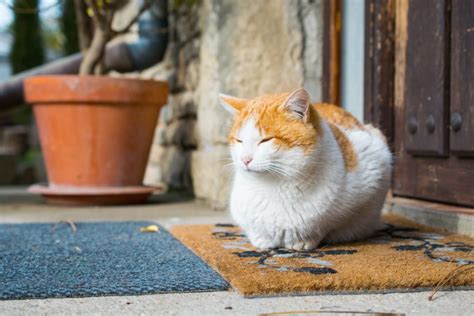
(445, 180)
(425, 81)
(434, 166)
(462, 78)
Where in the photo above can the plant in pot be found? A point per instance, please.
(95, 131)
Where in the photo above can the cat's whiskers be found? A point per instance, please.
(229, 164)
(291, 171)
(276, 172)
(229, 167)
(226, 159)
(282, 171)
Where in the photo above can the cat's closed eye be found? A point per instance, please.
(237, 140)
(266, 140)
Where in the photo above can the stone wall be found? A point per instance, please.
(243, 48)
(175, 136)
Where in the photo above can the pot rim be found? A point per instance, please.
(46, 89)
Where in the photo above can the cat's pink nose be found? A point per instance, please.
(246, 160)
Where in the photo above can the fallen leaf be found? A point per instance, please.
(150, 229)
(71, 223)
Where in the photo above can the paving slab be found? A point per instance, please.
(230, 303)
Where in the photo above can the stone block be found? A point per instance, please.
(153, 176)
(212, 176)
(180, 133)
(155, 154)
(191, 50)
(159, 137)
(180, 105)
(169, 165)
(16, 138)
(8, 165)
(191, 81)
(181, 67)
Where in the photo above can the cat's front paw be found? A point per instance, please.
(263, 243)
(299, 245)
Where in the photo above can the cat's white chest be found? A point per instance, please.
(269, 207)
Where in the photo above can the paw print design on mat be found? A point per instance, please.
(429, 243)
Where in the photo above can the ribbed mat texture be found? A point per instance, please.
(103, 258)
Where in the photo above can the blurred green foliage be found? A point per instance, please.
(31, 156)
(22, 115)
(27, 50)
(177, 3)
(69, 28)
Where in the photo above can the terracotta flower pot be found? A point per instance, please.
(95, 132)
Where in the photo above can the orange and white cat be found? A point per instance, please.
(304, 173)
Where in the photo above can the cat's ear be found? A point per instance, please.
(232, 104)
(298, 104)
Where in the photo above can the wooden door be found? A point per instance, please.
(434, 100)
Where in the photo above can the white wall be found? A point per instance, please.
(352, 57)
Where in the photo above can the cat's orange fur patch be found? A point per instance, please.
(348, 153)
(338, 116)
(275, 121)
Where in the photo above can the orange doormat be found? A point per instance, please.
(403, 257)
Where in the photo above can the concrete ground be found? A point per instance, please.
(18, 207)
